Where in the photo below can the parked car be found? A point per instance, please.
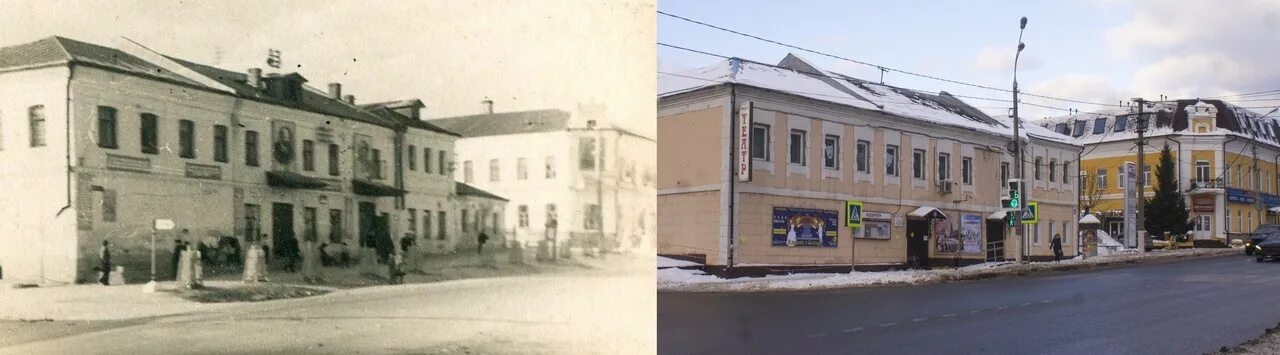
(1258, 235)
(1268, 247)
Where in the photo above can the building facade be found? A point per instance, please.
(115, 138)
(571, 179)
(922, 168)
(1228, 162)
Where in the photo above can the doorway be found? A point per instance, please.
(995, 240)
(281, 227)
(918, 243)
(368, 216)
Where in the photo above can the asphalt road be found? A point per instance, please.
(570, 313)
(1189, 307)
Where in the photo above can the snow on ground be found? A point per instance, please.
(664, 262)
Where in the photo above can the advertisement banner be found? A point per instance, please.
(946, 235)
(1203, 205)
(283, 150)
(1130, 206)
(1240, 195)
(744, 141)
(971, 233)
(804, 227)
(876, 225)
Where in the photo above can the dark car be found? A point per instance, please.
(1258, 235)
(1268, 248)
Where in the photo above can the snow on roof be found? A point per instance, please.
(926, 212)
(1171, 117)
(1090, 219)
(791, 77)
(1033, 129)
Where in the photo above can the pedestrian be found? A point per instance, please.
(481, 239)
(104, 255)
(1056, 245)
(324, 255)
(290, 254)
(173, 260)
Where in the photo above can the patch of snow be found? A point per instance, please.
(669, 262)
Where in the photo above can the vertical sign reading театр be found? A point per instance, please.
(744, 142)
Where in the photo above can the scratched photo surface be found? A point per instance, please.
(327, 177)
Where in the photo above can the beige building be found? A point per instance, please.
(98, 142)
(924, 167)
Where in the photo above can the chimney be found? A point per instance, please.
(489, 105)
(350, 99)
(254, 78)
(335, 91)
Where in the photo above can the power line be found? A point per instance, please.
(1258, 93)
(878, 67)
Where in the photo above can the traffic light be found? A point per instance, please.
(1013, 202)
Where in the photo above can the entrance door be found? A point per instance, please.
(281, 227)
(1116, 230)
(918, 244)
(995, 240)
(368, 216)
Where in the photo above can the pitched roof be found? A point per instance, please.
(406, 120)
(468, 190)
(1171, 117)
(506, 123)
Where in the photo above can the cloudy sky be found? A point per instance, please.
(1099, 51)
(525, 54)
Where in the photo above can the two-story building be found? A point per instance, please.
(759, 165)
(1228, 162)
(98, 142)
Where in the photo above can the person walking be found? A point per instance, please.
(104, 254)
(173, 260)
(291, 254)
(1056, 245)
(481, 239)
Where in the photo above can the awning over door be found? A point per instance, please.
(370, 188)
(927, 212)
(997, 215)
(1274, 209)
(290, 180)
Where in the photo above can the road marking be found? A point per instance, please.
(1026, 304)
(851, 330)
(888, 324)
(919, 319)
(819, 335)
(948, 315)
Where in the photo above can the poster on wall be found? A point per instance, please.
(946, 235)
(876, 225)
(804, 227)
(971, 233)
(283, 151)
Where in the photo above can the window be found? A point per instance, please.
(467, 174)
(1004, 174)
(466, 227)
(1239, 177)
(1229, 221)
(35, 115)
(426, 160)
(1122, 123)
(1099, 125)
(524, 216)
(150, 133)
(1066, 166)
(1102, 179)
(251, 148)
(1053, 169)
(186, 139)
(891, 159)
(522, 169)
(592, 217)
(917, 164)
(333, 160)
(1039, 161)
(308, 155)
(443, 227)
(551, 167)
(552, 218)
(309, 232)
(586, 153)
(760, 141)
(220, 143)
(377, 163)
(107, 127)
(1078, 130)
(335, 226)
(413, 157)
(1062, 128)
(1120, 176)
(944, 166)
(426, 222)
(1035, 234)
(831, 152)
(1248, 224)
(863, 156)
(444, 169)
(1146, 176)
(797, 146)
(966, 170)
(493, 170)
(109, 205)
(413, 222)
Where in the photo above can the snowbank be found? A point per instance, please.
(665, 262)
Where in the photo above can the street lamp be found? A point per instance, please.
(1017, 143)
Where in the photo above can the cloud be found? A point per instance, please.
(1000, 59)
(1082, 87)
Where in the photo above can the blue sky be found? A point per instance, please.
(1096, 50)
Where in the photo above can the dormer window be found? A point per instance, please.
(1122, 123)
(1099, 125)
(1063, 128)
(1078, 130)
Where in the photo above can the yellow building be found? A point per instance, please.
(1227, 163)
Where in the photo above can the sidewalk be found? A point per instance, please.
(692, 280)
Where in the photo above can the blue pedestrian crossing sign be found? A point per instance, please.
(853, 214)
(1031, 214)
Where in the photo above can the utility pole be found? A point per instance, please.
(1141, 181)
(1024, 250)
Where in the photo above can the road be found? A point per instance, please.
(1188, 307)
(583, 312)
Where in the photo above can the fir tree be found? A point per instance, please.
(1167, 210)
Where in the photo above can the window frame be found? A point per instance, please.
(944, 166)
(149, 133)
(186, 139)
(966, 170)
(1038, 174)
(221, 143)
(862, 156)
(335, 159)
(891, 154)
(1053, 169)
(919, 164)
(832, 142)
(251, 154)
(308, 155)
(763, 147)
(1099, 125)
(798, 137)
(108, 127)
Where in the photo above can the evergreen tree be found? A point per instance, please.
(1167, 210)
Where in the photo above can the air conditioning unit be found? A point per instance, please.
(944, 186)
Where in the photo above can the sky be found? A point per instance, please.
(1098, 51)
(522, 54)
